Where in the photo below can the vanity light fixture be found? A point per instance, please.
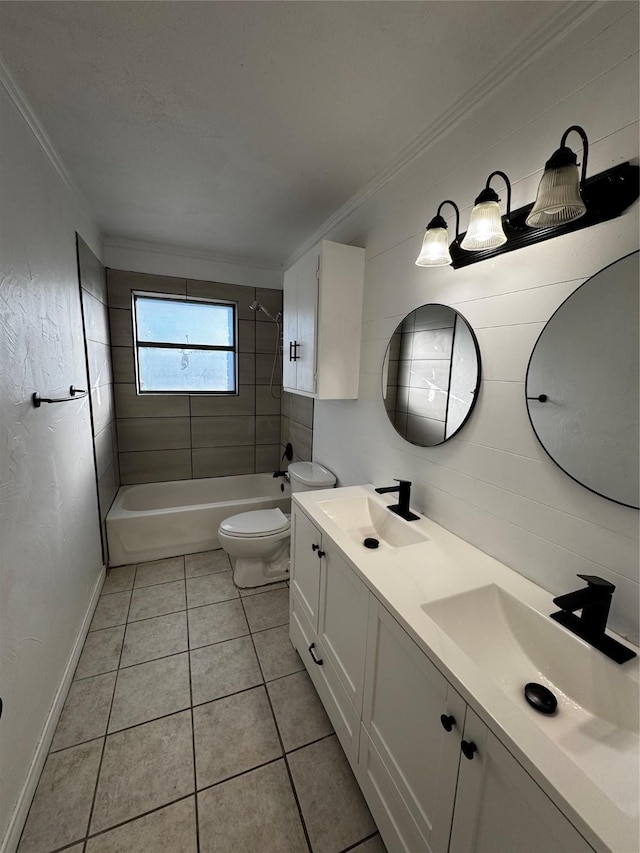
(559, 199)
(435, 245)
(485, 223)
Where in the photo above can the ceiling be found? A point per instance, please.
(240, 127)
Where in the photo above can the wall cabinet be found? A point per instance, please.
(436, 779)
(322, 307)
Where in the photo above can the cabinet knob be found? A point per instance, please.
(315, 658)
(468, 748)
(320, 554)
(448, 722)
(315, 547)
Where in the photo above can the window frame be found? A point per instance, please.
(167, 345)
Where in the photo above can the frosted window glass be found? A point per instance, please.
(174, 322)
(169, 369)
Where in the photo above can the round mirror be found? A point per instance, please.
(431, 375)
(582, 384)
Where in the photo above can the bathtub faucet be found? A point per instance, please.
(281, 474)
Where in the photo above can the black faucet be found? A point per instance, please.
(404, 498)
(594, 601)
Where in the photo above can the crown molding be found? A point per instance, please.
(26, 111)
(554, 29)
(187, 252)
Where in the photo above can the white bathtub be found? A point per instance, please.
(157, 520)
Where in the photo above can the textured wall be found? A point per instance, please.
(95, 317)
(493, 484)
(50, 558)
(179, 437)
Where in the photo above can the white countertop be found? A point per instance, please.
(589, 767)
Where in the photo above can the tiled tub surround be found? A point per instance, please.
(192, 727)
(150, 521)
(178, 437)
(296, 426)
(95, 317)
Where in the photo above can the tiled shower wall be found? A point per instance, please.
(296, 427)
(179, 437)
(95, 314)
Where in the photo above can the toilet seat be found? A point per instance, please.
(251, 525)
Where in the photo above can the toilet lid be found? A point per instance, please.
(256, 523)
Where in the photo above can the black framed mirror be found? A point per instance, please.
(582, 384)
(431, 375)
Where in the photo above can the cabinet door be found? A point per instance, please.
(500, 808)
(404, 698)
(289, 326)
(343, 616)
(307, 323)
(304, 578)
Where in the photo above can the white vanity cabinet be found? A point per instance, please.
(328, 626)
(322, 308)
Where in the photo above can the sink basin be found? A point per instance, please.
(361, 517)
(514, 644)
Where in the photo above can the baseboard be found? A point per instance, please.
(19, 816)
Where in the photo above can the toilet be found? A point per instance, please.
(258, 542)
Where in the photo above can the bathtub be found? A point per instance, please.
(157, 520)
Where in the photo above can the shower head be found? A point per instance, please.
(257, 306)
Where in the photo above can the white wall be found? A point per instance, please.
(493, 484)
(50, 560)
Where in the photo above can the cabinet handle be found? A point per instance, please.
(295, 350)
(315, 547)
(316, 659)
(468, 748)
(320, 554)
(291, 351)
(448, 722)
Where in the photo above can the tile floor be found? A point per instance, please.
(191, 726)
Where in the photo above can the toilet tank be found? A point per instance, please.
(307, 476)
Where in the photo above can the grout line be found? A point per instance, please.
(358, 843)
(193, 733)
(133, 819)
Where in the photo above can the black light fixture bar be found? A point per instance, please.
(607, 195)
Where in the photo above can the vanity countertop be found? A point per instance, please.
(587, 755)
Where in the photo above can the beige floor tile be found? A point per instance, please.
(214, 623)
(206, 563)
(253, 812)
(143, 768)
(300, 715)
(101, 652)
(372, 845)
(257, 590)
(150, 690)
(160, 571)
(268, 610)
(60, 810)
(334, 810)
(276, 654)
(85, 712)
(234, 734)
(155, 638)
(223, 669)
(157, 600)
(209, 589)
(111, 610)
(170, 830)
(119, 579)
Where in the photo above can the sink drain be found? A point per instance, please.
(540, 698)
(370, 542)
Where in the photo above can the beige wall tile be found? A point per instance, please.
(96, 319)
(268, 458)
(302, 439)
(153, 466)
(264, 365)
(247, 369)
(99, 360)
(105, 455)
(244, 296)
(120, 283)
(223, 461)
(121, 330)
(246, 336)
(122, 364)
(153, 434)
(242, 404)
(271, 299)
(266, 404)
(222, 431)
(266, 337)
(302, 410)
(102, 407)
(131, 405)
(267, 429)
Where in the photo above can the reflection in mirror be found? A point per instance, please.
(431, 375)
(585, 363)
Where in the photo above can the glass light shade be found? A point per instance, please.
(485, 227)
(435, 249)
(558, 200)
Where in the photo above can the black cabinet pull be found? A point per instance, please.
(291, 351)
(448, 722)
(316, 659)
(320, 554)
(315, 547)
(468, 748)
(296, 355)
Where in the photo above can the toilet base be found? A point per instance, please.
(249, 572)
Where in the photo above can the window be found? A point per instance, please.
(184, 346)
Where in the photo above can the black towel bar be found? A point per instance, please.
(74, 394)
